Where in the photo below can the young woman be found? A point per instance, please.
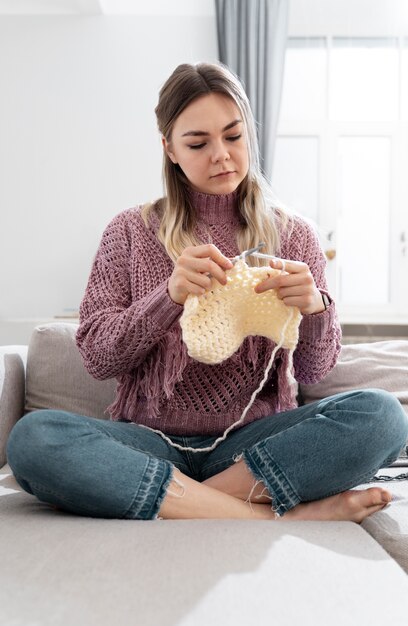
(283, 462)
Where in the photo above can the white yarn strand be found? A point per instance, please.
(255, 393)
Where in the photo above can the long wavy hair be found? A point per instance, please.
(261, 219)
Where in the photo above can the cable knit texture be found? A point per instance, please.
(129, 329)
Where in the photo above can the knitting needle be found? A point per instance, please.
(246, 253)
(259, 255)
(269, 256)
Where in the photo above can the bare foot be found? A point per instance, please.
(354, 506)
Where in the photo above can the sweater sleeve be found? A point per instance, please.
(320, 333)
(117, 330)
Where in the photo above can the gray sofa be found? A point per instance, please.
(61, 569)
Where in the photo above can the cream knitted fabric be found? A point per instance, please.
(215, 324)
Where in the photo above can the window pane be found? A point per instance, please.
(304, 83)
(363, 79)
(405, 80)
(295, 173)
(364, 213)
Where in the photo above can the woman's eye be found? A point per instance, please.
(197, 146)
(234, 137)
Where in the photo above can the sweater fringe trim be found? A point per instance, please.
(287, 383)
(154, 379)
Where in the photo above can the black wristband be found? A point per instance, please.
(326, 301)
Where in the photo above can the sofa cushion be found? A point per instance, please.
(381, 365)
(56, 377)
(61, 569)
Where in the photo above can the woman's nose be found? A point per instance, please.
(220, 153)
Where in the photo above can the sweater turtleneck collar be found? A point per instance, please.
(216, 209)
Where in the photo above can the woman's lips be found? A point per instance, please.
(221, 174)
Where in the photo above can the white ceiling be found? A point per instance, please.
(107, 7)
(357, 18)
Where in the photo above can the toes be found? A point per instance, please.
(384, 496)
(374, 496)
(368, 501)
(368, 511)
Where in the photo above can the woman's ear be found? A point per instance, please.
(166, 147)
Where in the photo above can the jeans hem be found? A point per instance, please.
(264, 468)
(163, 492)
(152, 490)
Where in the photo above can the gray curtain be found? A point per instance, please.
(251, 42)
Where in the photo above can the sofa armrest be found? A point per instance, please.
(12, 391)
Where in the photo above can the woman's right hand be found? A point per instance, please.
(192, 269)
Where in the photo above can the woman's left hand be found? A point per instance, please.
(295, 286)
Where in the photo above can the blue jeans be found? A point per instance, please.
(101, 468)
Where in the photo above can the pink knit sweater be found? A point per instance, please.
(129, 329)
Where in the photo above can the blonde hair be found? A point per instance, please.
(254, 195)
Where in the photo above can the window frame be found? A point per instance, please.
(328, 133)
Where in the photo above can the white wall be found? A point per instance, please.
(78, 140)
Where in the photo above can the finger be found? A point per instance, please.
(207, 259)
(292, 292)
(292, 267)
(195, 282)
(293, 301)
(209, 251)
(303, 281)
(203, 281)
(194, 289)
(284, 281)
(304, 304)
(207, 267)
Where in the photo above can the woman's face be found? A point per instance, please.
(209, 145)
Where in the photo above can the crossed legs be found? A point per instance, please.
(234, 493)
(302, 464)
(310, 457)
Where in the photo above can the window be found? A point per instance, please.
(341, 159)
